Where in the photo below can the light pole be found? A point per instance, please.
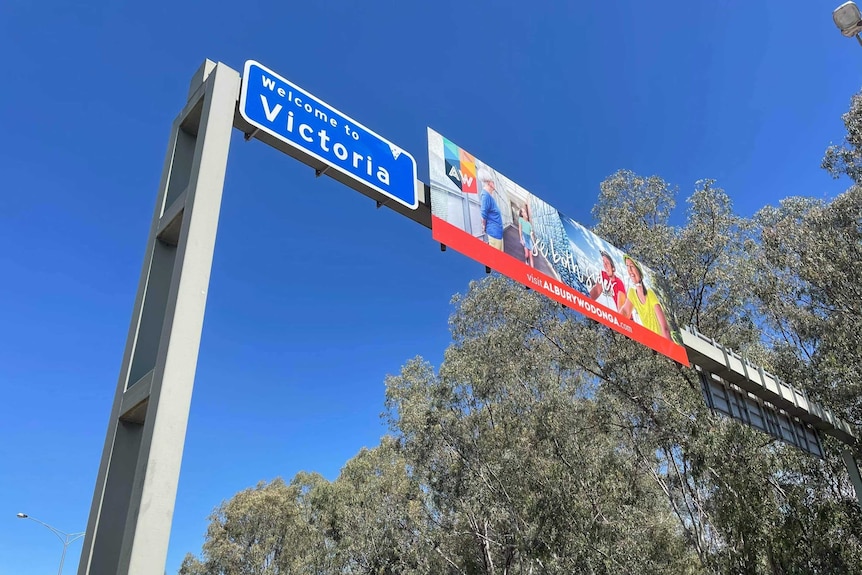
(848, 19)
(66, 538)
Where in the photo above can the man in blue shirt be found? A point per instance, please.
(492, 220)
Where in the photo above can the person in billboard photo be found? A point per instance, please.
(610, 288)
(525, 229)
(492, 219)
(644, 301)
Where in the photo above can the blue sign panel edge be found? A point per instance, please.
(242, 109)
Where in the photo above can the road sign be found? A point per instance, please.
(324, 138)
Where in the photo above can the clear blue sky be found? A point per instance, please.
(315, 294)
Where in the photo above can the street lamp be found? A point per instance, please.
(66, 538)
(849, 20)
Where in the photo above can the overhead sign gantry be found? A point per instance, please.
(133, 502)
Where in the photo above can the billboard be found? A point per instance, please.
(486, 216)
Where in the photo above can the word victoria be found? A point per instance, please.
(313, 124)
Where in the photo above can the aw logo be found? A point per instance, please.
(460, 167)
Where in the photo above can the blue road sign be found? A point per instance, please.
(290, 114)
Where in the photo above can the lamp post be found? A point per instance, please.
(66, 538)
(849, 20)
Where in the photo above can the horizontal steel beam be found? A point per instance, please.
(714, 358)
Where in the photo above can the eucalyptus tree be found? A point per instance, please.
(525, 471)
(273, 528)
(375, 516)
(769, 287)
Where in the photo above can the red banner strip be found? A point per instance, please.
(474, 248)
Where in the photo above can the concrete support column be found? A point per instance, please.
(133, 504)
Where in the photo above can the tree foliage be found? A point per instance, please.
(545, 443)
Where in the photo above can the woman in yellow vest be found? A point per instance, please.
(644, 301)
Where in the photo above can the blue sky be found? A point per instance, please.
(315, 294)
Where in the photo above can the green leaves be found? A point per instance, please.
(810, 291)
(271, 529)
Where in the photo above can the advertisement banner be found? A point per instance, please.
(489, 218)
